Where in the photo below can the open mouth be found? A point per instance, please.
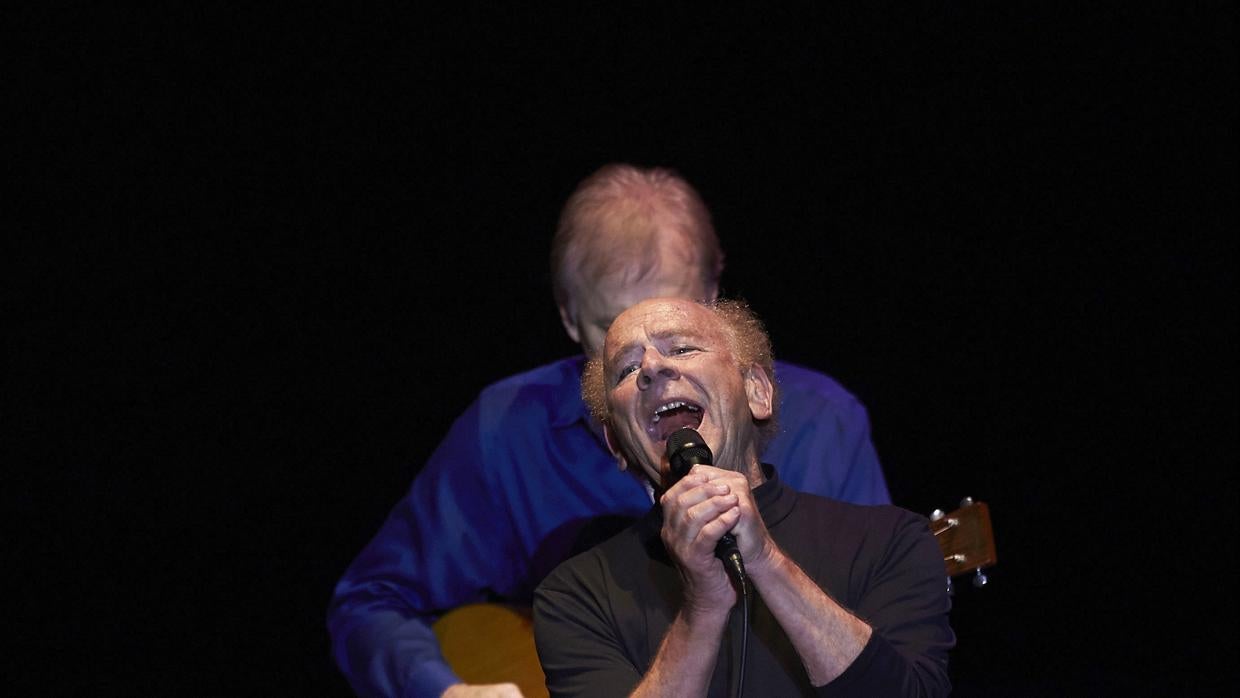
(673, 415)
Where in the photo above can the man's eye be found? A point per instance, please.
(625, 371)
(683, 350)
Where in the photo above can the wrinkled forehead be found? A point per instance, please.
(660, 319)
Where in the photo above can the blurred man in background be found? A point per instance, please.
(524, 473)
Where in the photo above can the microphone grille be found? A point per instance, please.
(686, 436)
(684, 448)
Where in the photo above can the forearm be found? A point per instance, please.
(826, 636)
(385, 602)
(686, 657)
(384, 653)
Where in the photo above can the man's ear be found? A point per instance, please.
(761, 392)
(611, 446)
(568, 316)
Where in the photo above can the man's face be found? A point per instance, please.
(592, 310)
(668, 364)
(595, 303)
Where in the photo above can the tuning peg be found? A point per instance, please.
(980, 579)
(937, 514)
(966, 502)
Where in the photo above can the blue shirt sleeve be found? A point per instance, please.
(823, 445)
(445, 529)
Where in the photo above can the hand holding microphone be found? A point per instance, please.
(685, 448)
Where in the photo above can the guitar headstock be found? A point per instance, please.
(966, 539)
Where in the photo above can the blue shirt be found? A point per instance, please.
(506, 496)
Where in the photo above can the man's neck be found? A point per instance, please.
(754, 473)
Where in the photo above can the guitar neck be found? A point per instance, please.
(966, 539)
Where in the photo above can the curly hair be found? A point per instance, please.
(748, 341)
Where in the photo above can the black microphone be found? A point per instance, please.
(685, 449)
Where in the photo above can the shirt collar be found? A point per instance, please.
(774, 499)
(570, 408)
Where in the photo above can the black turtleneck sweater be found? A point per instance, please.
(599, 617)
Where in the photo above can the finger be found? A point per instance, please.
(708, 472)
(709, 535)
(711, 507)
(692, 518)
(690, 491)
(684, 531)
(735, 480)
(685, 483)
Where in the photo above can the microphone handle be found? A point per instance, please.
(727, 551)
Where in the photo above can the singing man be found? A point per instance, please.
(846, 599)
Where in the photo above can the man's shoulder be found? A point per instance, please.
(611, 556)
(555, 386)
(800, 379)
(558, 374)
(858, 516)
(807, 392)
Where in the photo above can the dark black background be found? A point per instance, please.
(257, 261)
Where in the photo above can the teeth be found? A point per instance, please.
(671, 406)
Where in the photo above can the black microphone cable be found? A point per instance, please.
(685, 448)
(743, 581)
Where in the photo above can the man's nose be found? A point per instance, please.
(655, 367)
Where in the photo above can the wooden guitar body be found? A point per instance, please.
(492, 643)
